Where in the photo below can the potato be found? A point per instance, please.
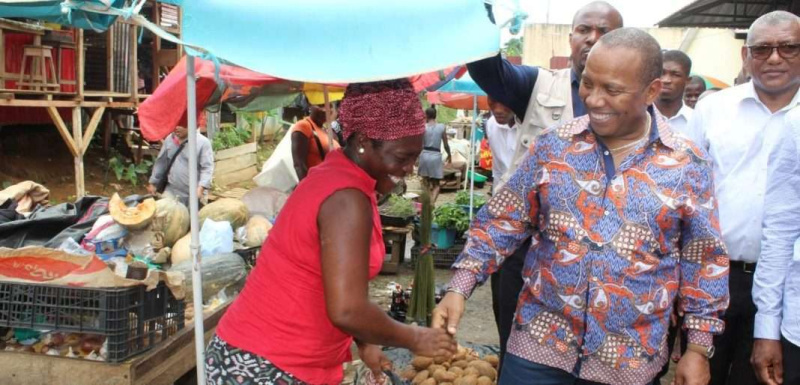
(492, 359)
(467, 380)
(434, 368)
(457, 371)
(483, 380)
(421, 363)
(421, 376)
(442, 375)
(461, 364)
(429, 381)
(484, 368)
(445, 383)
(408, 373)
(471, 370)
(440, 359)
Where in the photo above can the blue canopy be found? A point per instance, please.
(343, 41)
(55, 11)
(465, 85)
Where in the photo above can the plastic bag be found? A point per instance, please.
(72, 247)
(215, 238)
(225, 271)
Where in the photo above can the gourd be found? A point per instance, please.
(132, 218)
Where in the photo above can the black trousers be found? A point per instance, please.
(506, 285)
(791, 363)
(731, 362)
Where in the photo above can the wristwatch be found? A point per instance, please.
(707, 351)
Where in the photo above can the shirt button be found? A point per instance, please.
(606, 212)
(605, 152)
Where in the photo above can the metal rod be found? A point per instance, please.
(197, 280)
(472, 153)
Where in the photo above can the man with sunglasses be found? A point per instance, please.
(740, 126)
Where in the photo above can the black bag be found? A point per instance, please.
(162, 184)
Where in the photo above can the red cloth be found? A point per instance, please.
(165, 109)
(281, 314)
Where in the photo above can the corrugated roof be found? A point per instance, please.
(726, 13)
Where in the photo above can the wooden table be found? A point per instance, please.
(162, 365)
(395, 240)
(17, 26)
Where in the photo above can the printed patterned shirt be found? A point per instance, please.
(611, 251)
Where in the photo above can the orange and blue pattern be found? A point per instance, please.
(612, 249)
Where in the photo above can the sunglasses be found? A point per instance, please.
(786, 51)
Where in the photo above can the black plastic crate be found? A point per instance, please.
(442, 258)
(132, 319)
(387, 220)
(249, 255)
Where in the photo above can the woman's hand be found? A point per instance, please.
(375, 360)
(431, 342)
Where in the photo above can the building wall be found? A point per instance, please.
(714, 52)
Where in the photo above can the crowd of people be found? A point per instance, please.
(631, 207)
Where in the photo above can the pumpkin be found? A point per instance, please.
(226, 209)
(181, 251)
(132, 218)
(257, 229)
(170, 223)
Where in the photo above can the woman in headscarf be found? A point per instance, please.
(307, 298)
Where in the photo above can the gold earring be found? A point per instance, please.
(361, 150)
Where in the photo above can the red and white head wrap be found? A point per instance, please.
(386, 110)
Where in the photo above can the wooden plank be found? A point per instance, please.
(134, 63)
(2, 60)
(234, 164)
(62, 130)
(235, 177)
(110, 58)
(92, 127)
(77, 135)
(64, 103)
(30, 368)
(236, 151)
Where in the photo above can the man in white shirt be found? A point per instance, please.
(776, 287)
(501, 131)
(677, 66)
(740, 126)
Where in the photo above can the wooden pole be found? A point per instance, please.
(134, 64)
(77, 137)
(80, 54)
(328, 116)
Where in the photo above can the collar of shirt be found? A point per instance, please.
(749, 93)
(685, 112)
(659, 129)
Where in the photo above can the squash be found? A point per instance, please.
(132, 218)
(181, 251)
(170, 223)
(257, 229)
(225, 209)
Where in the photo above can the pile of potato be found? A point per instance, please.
(465, 368)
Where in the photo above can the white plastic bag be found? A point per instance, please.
(216, 238)
(278, 171)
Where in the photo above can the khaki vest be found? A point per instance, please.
(551, 103)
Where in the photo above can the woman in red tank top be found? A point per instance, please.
(307, 298)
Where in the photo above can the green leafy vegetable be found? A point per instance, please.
(451, 216)
(230, 136)
(398, 206)
(462, 198)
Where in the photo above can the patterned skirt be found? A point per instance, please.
(227, 365)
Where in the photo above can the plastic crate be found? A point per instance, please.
(387, 220)
(442, 258)
(249, 255)
(132, 319)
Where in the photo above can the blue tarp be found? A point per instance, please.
(465, 85)
(53, 11)
(343, 41)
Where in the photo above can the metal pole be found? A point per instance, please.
(197, 281)
(472, 153)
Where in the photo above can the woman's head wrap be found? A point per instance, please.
(386, 110)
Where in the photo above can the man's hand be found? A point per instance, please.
(448, 312)
(375, 360)
(151, 189)
(449, 160)
(767, 361)
(200, 191)
(693, 369)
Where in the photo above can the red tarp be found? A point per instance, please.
(166, 108)
(457, 100)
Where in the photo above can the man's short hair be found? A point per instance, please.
(694, 79)
(772, 18)
(645, 45)
(679, 57)
(598, 4)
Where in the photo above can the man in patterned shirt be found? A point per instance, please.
(624, 222)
